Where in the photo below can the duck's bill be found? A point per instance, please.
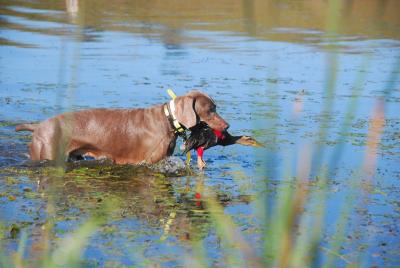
(249, 141)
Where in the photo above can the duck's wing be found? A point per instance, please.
(190, 144)
(203, 137)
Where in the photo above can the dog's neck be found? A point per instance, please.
(172, 133)
(169, 111)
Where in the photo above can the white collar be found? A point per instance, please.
(171, 113)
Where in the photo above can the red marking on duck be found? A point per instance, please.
(200, 151)
(219, 134)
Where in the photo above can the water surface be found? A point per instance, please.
(278, 70)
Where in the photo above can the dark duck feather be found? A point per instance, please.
(202, 137)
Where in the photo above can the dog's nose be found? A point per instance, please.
(226, 126)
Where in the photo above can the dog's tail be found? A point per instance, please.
(26, 127)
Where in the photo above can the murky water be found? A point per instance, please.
(278, 70)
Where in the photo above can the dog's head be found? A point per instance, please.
(196, 107)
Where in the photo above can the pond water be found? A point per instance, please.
(300, 78)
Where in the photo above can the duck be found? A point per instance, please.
(203, 137)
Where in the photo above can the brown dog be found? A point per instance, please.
(124, 135)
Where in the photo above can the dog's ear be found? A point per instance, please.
(184, 111)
